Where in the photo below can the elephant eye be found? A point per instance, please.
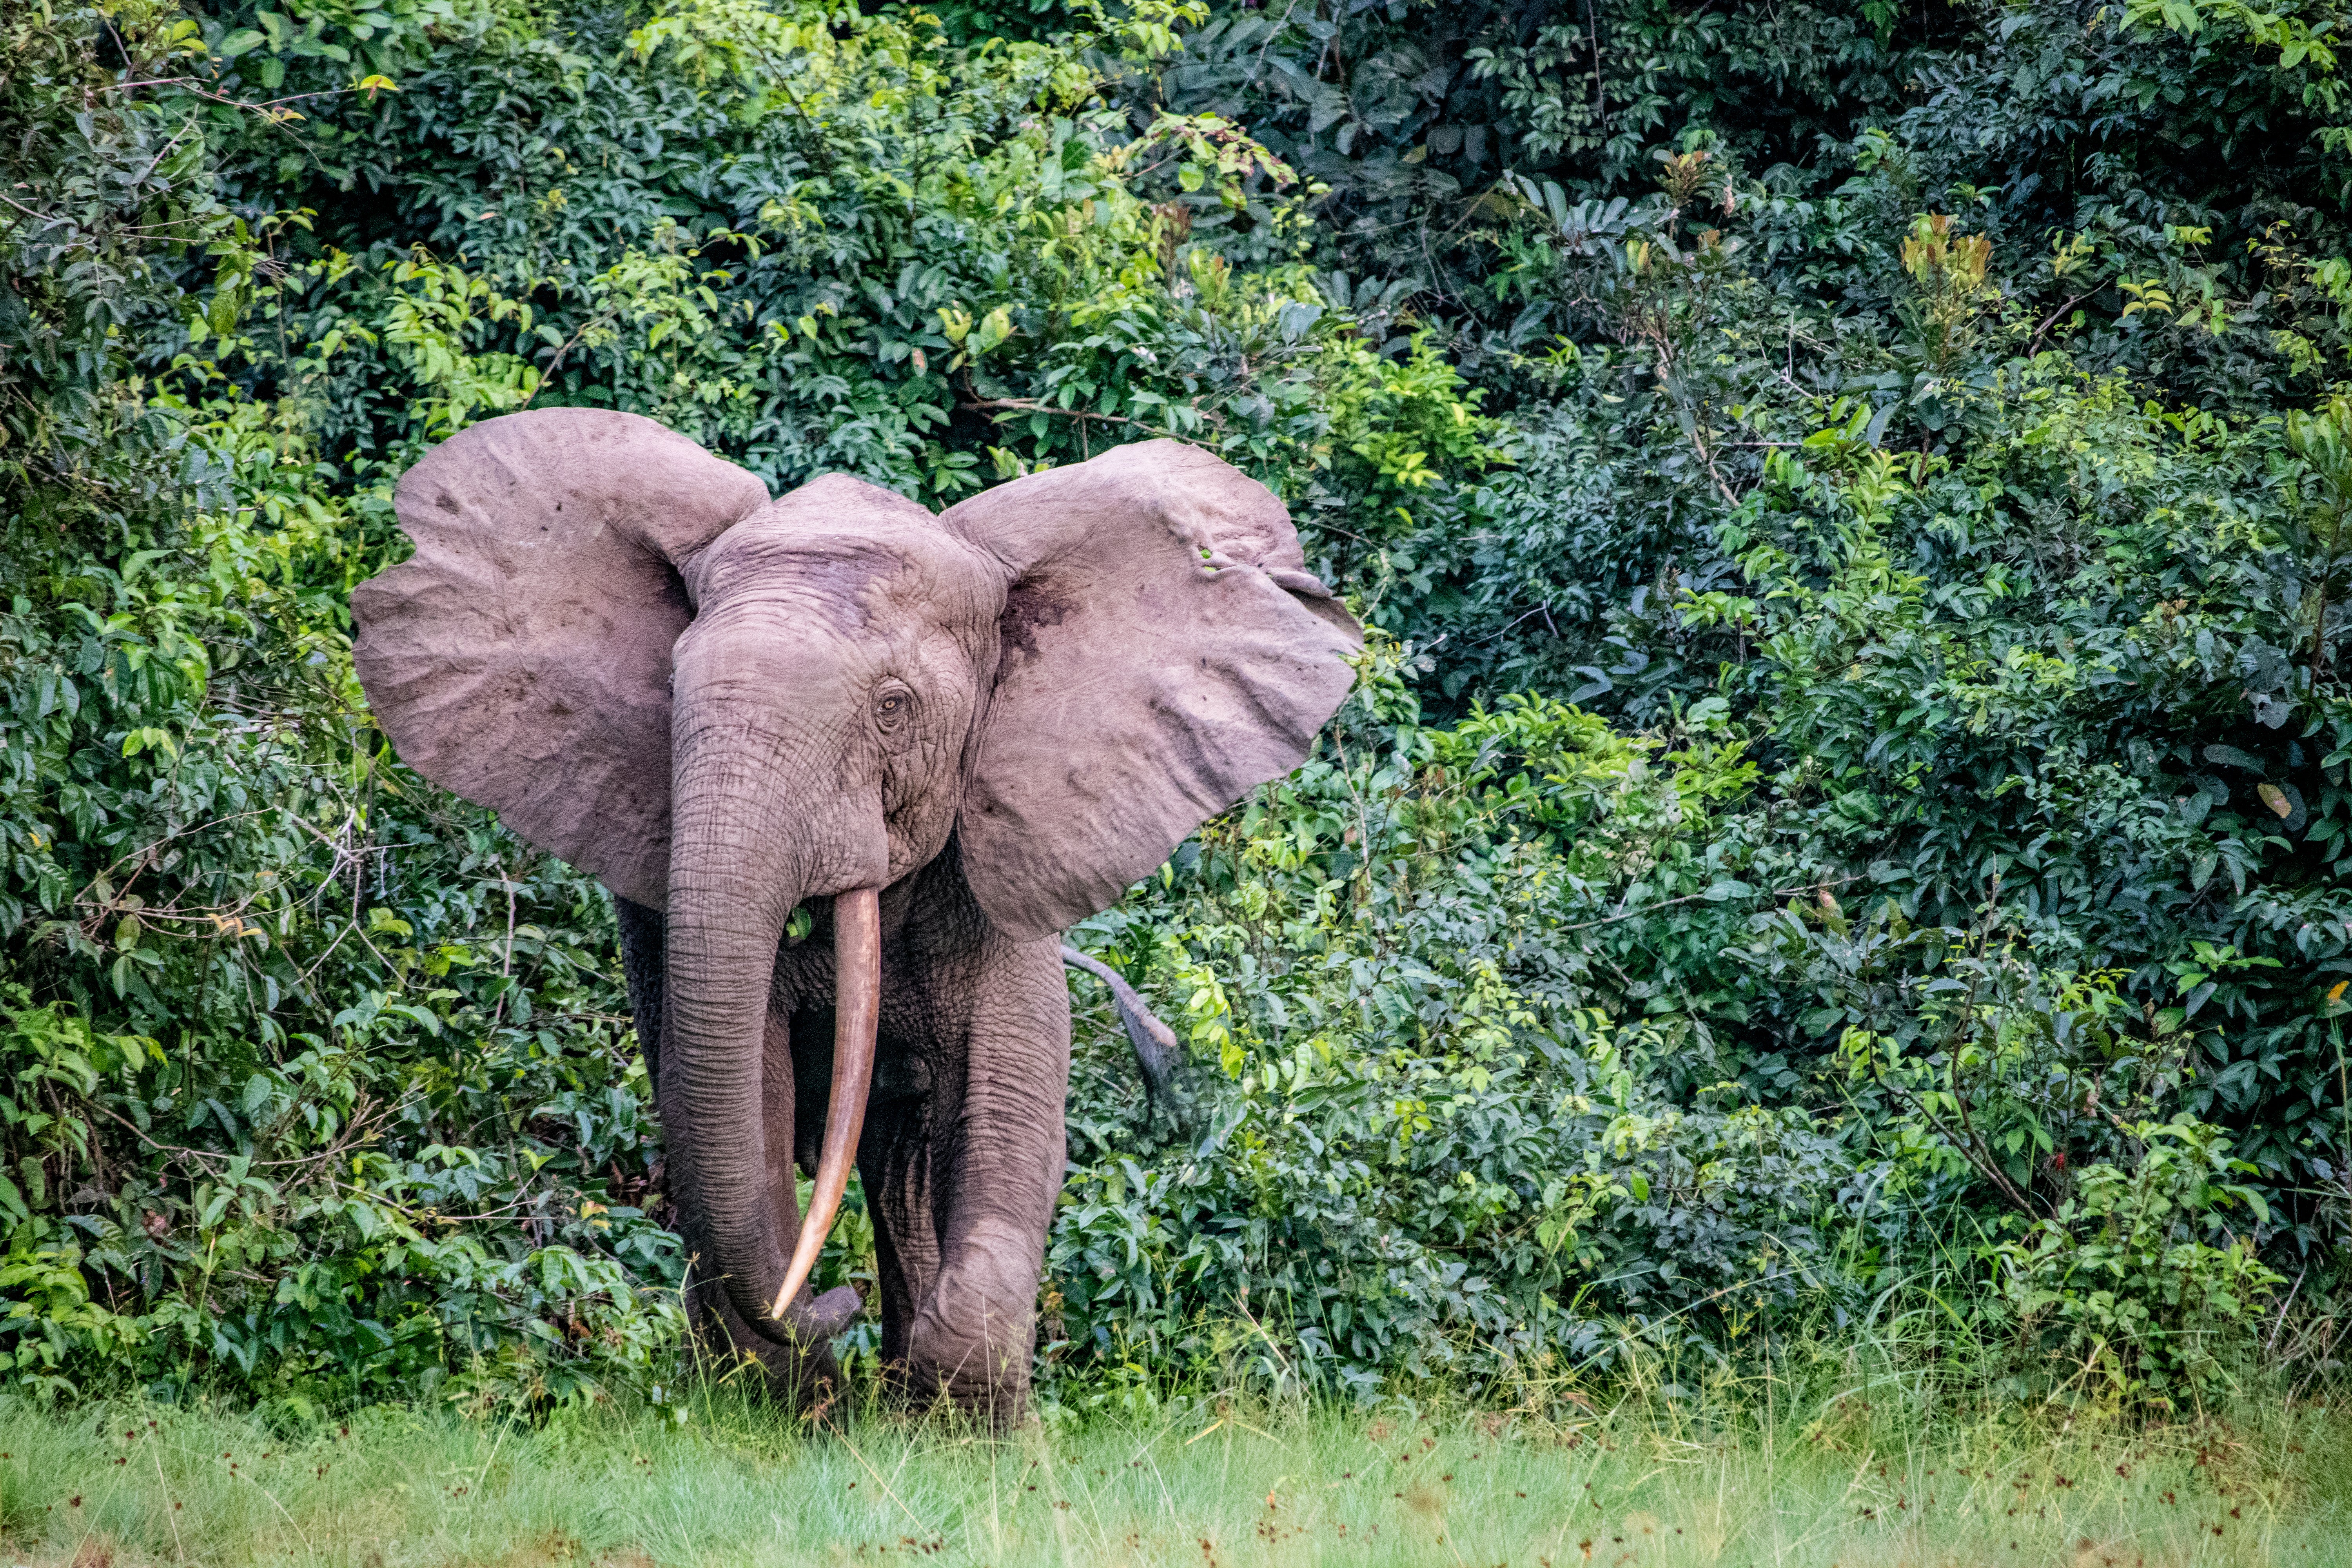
(891, 706)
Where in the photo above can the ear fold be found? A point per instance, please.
(522, 657)
(1165, 651)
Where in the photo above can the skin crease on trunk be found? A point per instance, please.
(985, 723)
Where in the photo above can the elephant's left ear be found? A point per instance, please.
(1165, 651)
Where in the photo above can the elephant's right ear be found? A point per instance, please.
(521, 658)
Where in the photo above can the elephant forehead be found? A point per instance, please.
(858, 573)
(838, 581)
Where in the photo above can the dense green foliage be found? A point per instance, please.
(1845, 814)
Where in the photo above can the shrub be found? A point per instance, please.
(2124, 1289)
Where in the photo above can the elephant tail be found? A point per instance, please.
(1158, 1052)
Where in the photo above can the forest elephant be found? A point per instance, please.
(944, 736)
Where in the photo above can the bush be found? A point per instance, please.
(1422, 1146)
(2123, 1289)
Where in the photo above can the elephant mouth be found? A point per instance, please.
(857, 1005)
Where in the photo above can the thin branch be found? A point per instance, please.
(266, 107)
(145, 850)
(358, 1130)
(2051, 319)
(1693, 898)
(505, 959)
(2283, 1306)
(1031, 405)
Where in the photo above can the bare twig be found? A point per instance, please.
(2276, 1328)
(1032, 406)
(1693, 898)
(359, 1130)
(505, 959)
(605, 318)
(2052, 319)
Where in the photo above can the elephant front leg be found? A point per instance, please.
(996, 1162)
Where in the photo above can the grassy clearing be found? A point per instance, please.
(731, 1484)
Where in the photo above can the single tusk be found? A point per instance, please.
(857, 1007)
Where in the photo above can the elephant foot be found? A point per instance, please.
(984, 1377)
(924, 1390)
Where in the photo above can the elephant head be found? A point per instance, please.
(725, 706)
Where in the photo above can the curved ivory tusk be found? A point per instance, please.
(857, 1007)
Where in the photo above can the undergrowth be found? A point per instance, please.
(1855, 1468)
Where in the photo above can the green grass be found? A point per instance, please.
(731, 1483)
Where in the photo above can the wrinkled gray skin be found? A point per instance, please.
(729, 707)
(961, 1152)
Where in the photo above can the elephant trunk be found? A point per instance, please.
(735, 879)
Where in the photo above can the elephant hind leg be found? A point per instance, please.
(644, 956)
(894, 1164)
